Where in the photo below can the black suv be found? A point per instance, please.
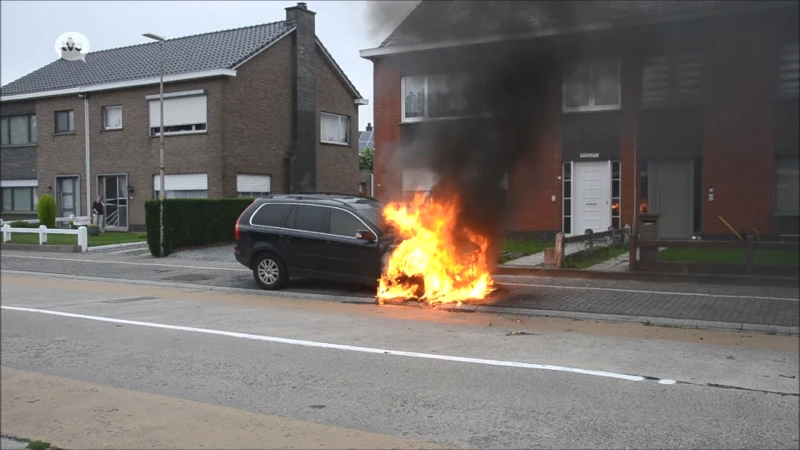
(313, 235)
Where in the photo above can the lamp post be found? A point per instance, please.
(160, 40)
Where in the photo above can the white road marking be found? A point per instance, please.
(578, 288)
(257, 337)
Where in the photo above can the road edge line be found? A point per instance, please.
(644, 320)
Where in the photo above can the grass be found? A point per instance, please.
(583, 260)
(526, 247)
(105, 238)
(38, 445)
(783, 258)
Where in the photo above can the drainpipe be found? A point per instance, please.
(88, 153)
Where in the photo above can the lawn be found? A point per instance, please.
(526, 247)
(583, 260)
(782, 258)
(106, 238)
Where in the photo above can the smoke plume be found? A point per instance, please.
(510, 88)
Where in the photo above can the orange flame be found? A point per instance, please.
(432, 263)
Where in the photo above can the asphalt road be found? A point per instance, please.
(733, 304)
(384, 374)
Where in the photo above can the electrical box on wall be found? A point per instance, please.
(711, 195)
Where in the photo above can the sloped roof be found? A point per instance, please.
(450, 20)
(216, 50)
(365, 139)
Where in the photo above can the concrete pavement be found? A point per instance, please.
(545, 385)
(731, 306)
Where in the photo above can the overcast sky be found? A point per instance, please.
(28, 29)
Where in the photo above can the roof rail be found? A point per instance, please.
(334, 193)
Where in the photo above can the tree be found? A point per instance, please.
(366, 159)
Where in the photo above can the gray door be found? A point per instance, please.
(67, 196)
(671, 188)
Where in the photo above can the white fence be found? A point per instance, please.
(43, 231)
(78, 221)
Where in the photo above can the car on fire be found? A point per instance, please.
(329, 236)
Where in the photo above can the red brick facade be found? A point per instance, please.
(738, 109)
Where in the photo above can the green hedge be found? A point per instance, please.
(47, 211)
(193, 222)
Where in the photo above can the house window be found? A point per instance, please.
(18, 130)
(440, 96)
(673, 79)
(184, 113)
(787, 186)
(112, 117)
(19, 199)
(193, 185)
(789, 71)
(65, 121)
(592, 85)
(253, 186)
(567, 197)
(334, 129)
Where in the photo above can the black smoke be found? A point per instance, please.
(511, 92)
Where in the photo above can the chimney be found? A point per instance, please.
(369, 126)
(302, 161)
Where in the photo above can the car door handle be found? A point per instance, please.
(284, 237)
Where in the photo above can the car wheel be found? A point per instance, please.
(269, 271)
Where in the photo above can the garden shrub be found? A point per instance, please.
(47, 211)
(192, 222)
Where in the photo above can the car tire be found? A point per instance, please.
(269, 271)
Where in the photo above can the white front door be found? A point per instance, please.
(591, 196)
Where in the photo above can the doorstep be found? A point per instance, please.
(42, 248)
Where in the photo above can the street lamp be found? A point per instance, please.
(160, 40)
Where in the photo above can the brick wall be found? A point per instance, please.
(131, 150)
(387, 128)
(739, 135)
(258, 118)
(336, 165)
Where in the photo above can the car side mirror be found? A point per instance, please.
(366, 236)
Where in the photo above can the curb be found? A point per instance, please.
(654, 321)
(100, 248)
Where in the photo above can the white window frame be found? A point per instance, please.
(244, 192)
(592, 67)
(198, 191)
(70, 120)
(346, 129)
(426, 93)
(105, 117)
(11, 185)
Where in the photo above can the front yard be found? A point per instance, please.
(105, 238)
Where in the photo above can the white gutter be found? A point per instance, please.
(122, 84)
(88, 156)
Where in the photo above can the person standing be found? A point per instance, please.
(98, 212)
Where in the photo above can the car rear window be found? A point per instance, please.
(312, 218)
(271, 215)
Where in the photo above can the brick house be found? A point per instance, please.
(247, 112)
(688, 109)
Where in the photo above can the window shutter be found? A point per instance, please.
(418, 179)
(253, 183)
(184, 182)
(788, 70)
(655, 80)
(688, 77)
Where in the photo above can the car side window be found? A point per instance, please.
(271, 215)
(312, 218)
(345, 224)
